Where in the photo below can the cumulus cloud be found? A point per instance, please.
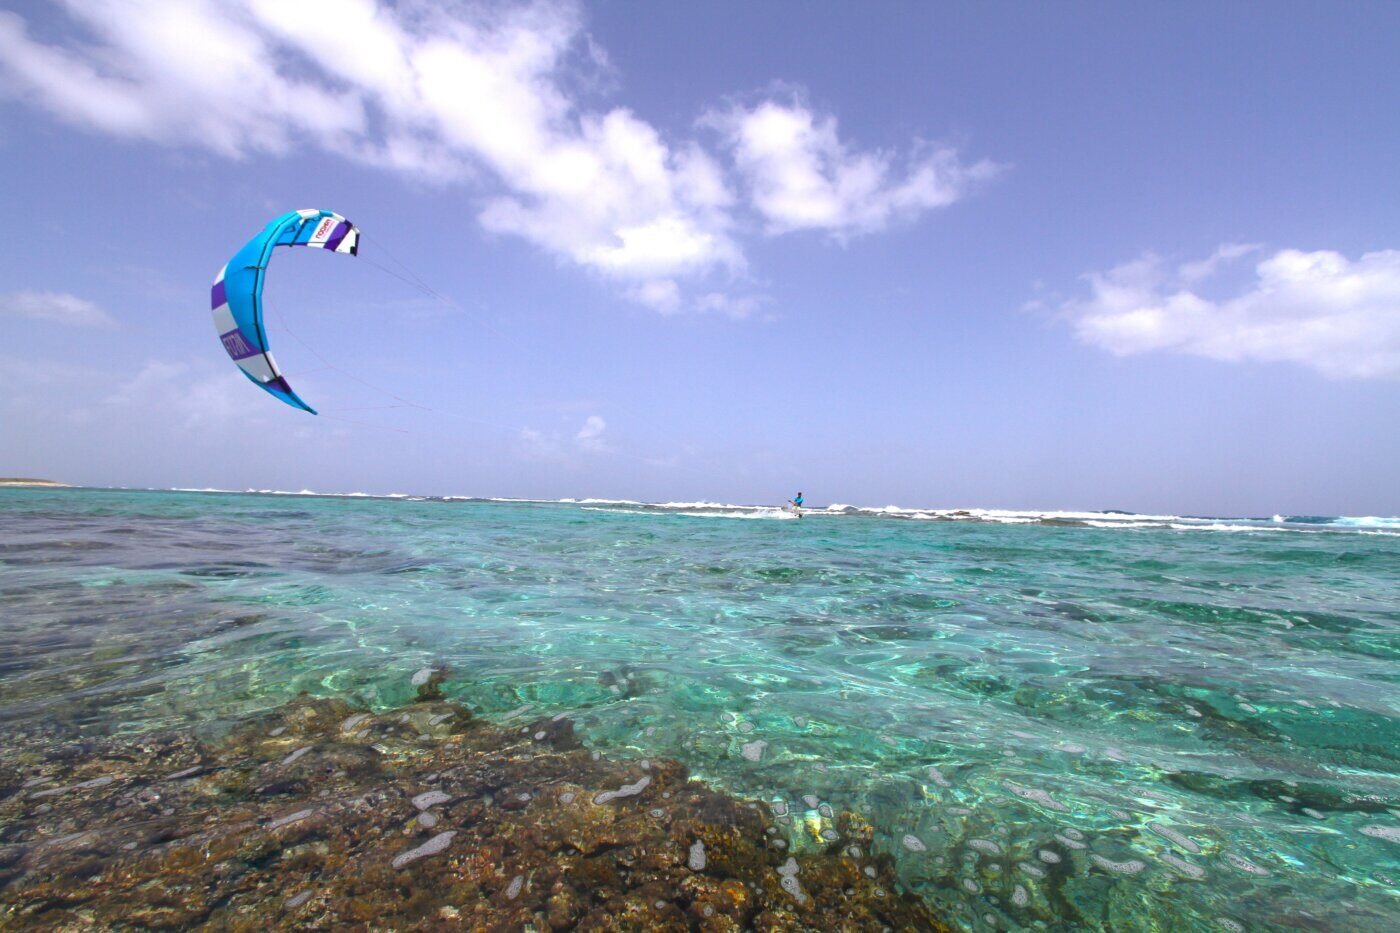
(487, 95)
(202, 398)
(536, 445)
(18, 372)
(590, 437)
(737, 307)
(154, 71)
(1338, 316)
(662, 295)
(1225, 253)
(802, 176)
(58, 307)
(443, 92)
(563, 448)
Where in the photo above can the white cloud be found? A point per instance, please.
(802, 176)
(20, 372)
(590, 437)
(203, 398)
(189, 72)
(536, 445)
(1224, 254)
(487, 95)
(1318, 309)
(737, 307)
(562, 448)
(441, 93)
(662, 295)
(58, 307)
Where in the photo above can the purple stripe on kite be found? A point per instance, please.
(337, 235)
(279, 384)
(237, 346)
(217, 296)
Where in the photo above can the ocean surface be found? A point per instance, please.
(1052, 720)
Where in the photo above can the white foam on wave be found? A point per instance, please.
(328, 495)
(1222, 526)
(1011, 516)
(700, 505)
(877, 510)
(1037, 515)
(1010, 519)
(1368, 521)
(738, 512)
(1096, 523)
(1374, 525)
(1096, 519)
(769, 513)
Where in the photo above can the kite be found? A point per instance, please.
(237, 294)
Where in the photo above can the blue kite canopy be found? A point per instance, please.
(237, 294)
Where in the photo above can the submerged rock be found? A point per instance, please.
(432, 847)
(430, 799)
(514, 831)
(428, 683)
(626, 790)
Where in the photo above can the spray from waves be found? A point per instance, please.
(1369, 521)
(1344, 521)
(1221, 526)
(765, 513)
(1110, 519)
(744, 512)
(311, 493)
(702, 505)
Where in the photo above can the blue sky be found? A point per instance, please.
(999, 254)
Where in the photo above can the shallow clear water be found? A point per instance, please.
(1125, 727)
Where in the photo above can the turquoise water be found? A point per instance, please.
(1161, 724)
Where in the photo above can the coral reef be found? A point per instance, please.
(323, 816)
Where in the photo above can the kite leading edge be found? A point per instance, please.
(237, 294)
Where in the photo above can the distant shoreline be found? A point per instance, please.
(26, 481)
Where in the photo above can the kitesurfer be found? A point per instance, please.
(797, 504)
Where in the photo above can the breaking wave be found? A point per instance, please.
(1383, 526)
